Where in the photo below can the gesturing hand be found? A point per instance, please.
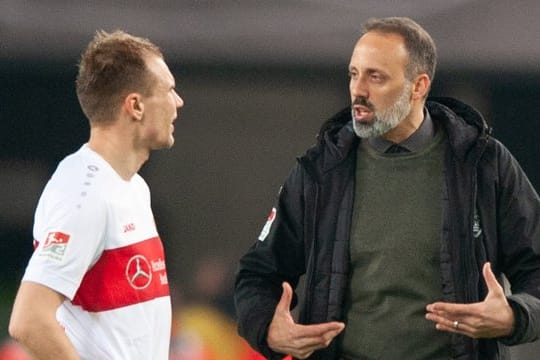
(300, 341)
(490, 318)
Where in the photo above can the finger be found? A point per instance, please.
(455, 326)
(453, 310)
(303, 355)
(284, 304)
(329, 329)
(310, 343)
(490, 279)
(442, 320)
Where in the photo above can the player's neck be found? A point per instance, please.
(117, 149)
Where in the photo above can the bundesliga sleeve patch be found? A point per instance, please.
(55, 245)
(268, 225)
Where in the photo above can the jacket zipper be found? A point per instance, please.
(310, 274)
(469, 262)
(310, 271)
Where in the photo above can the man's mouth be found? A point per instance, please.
(362, 113)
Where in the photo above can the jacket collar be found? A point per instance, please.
(335, 141)
(464, 125)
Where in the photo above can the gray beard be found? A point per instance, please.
(386, 119)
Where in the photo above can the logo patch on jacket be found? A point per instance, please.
(268, 225)
(477, 226)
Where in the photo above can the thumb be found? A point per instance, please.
(284, 304)
(490, 279)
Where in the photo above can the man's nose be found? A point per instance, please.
(358, 88)
(179, 101)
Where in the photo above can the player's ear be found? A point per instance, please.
(134, 106)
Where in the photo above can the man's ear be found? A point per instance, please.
(134, 106)
(420, 86)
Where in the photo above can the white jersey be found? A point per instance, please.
(97, 244)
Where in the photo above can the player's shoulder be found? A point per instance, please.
(139, 181)
(79, 168)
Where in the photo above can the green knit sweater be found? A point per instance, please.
(395, 245)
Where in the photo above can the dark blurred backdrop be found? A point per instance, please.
(258, 79)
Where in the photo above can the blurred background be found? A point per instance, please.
(258, 79)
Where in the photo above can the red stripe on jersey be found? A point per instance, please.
(124, 276)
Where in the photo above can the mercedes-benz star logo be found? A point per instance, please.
(138, 272)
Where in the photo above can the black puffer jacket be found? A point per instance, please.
(490, 213)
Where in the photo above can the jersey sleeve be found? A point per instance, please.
(69, 228)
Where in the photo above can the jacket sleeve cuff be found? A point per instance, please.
(255, 330)
(265, 349)
(521, 322)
